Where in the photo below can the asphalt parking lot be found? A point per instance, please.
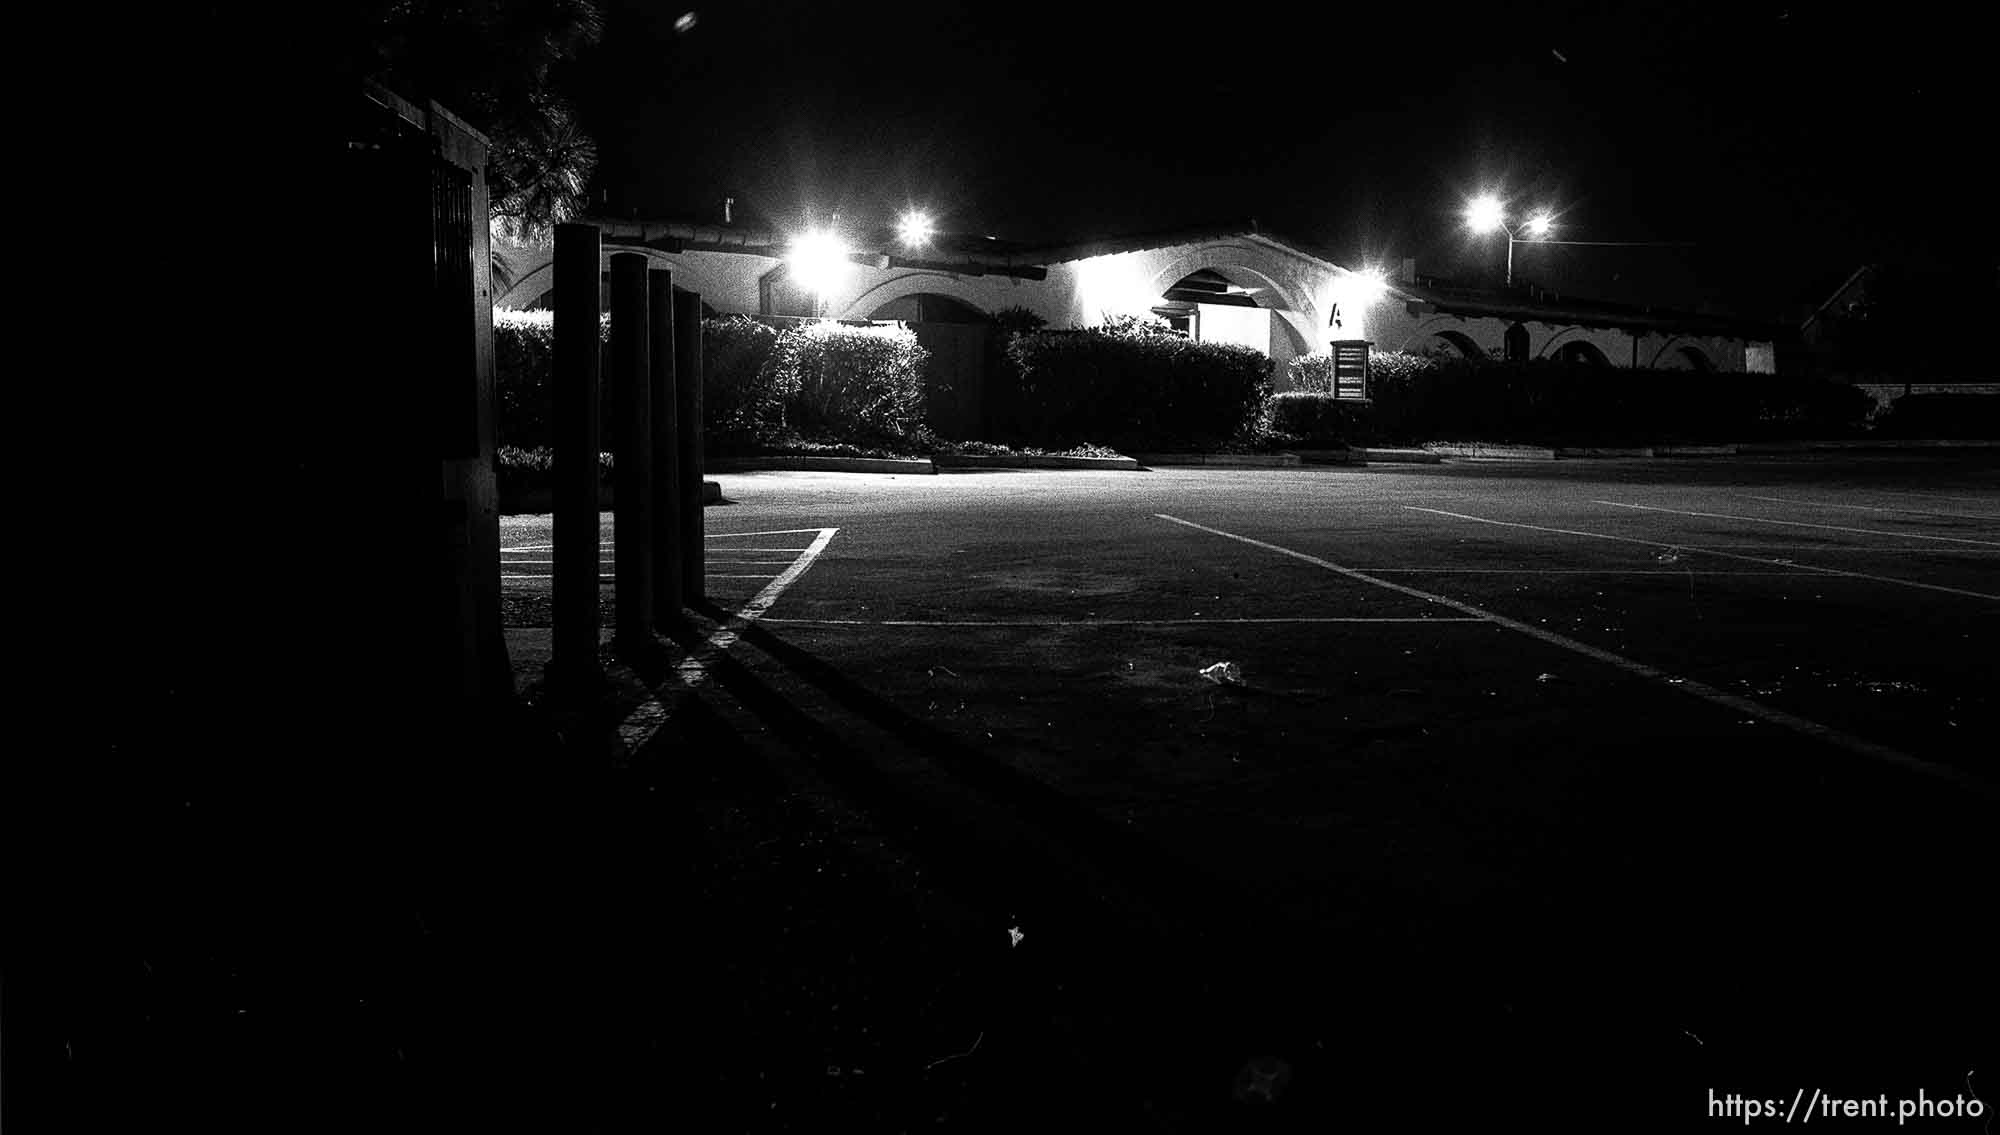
(1652, 775)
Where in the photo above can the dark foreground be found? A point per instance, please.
(957, 837)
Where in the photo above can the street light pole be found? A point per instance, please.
(1486, 213)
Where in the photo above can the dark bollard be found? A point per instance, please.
(573, 667)
(632, 453)
(687, 391)
(668, 567)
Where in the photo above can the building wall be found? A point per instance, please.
(1296, 288)
(1304, 302)
(1243, 326)
(1392, 327)
(727, 281)
(869, 288)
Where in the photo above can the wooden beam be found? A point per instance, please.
(1185, 295)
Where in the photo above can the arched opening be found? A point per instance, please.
(954, 335)
(1691, 358)
(1212, 307)
(1517, 344)
(1450, 344)
(1576, 352)
(1181, 303)
(930, 307)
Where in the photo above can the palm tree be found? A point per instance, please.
(537, 174)
(493, 61)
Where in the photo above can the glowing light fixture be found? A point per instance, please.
(1486, 213)
(819, 260)
(1368, 284)
(915, 229)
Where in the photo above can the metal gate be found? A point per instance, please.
(955, 377)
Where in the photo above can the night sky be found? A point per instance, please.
(1788, 144)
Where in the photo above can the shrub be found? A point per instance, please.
(1311, 374)
(863, 385)
(737, 399)
(521, 471)
(1002, 395)
(1416, 398)
(523, 362)
(1316, 419)
(1942, 415)
(740, 400)
(1131, 384)
(523, 343)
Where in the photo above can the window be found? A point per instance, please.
(1182, 317)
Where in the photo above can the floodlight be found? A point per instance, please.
(915, 229)
(818, 259)
(1485, 214)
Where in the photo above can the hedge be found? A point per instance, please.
(740, 400)
(521, 472)
(857, 384)
(1942, 415)
(831, 382)
(1311, 419)
(523, 359)
(1135, 386)
(1002, 409)
(1414, 398)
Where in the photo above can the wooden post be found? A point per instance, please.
(669, 568)
(573, 665)
(632, 452)
(687, 390)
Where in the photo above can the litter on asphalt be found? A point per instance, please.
(1224, 674)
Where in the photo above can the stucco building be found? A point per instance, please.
(1233, 283)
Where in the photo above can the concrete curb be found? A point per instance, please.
(1694, 451)
(1325, 456)
(1495, 452)
(1013, 461)
(921, 466)
(1605, 451)
(1363, 455)
(1901, 443)
(1261, 460)
(1374, 456)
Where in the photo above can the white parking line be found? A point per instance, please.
(1876, 508)
(1856, 549)
(640, 725)
(765, 532)
(1801, 524)
(1682, 574)
(1933, 496)
(1701, 690)
(1110, 622)
(1707, 551)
